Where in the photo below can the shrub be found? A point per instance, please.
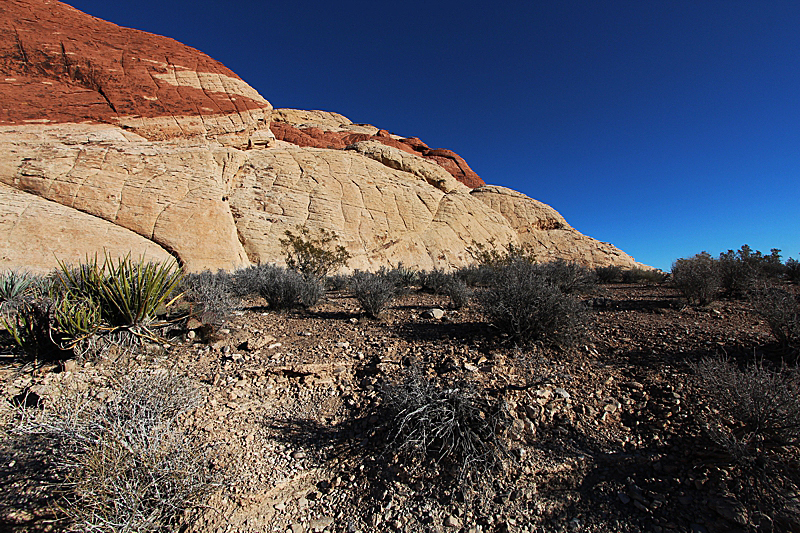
(697, 278)
(793, 270)
(475, 275)
(373, 291)
(641, 275)
(609, 274)
(492, 255)
(524, 304)
(758, 409)
(403, 278)
(337, 282)
(212, 296)
(125, 464)
(434, 281)
(127, 292)
(459, 293)
(452, 424)
(568, 276)
(282, 288)
(315, 256)
(781, 310)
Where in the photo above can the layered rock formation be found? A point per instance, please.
(115, 139)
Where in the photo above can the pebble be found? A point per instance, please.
(452, 521)
(623, 498)
(299, 454)
(320, 523)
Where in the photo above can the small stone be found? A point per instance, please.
(623, 498)
(191, 334)
(470, 367)
(279, 506)
(343, 344)
(299, 454)
(452, 521)
(434, 312)
(298, 528)
(562, 393)
(320, 523)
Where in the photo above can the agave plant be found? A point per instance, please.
(14, 286)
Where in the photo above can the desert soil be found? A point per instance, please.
(605, 439)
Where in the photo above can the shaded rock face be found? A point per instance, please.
(59, 65)
(319, 129)
(114, 140)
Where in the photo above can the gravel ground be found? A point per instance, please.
(607, 437)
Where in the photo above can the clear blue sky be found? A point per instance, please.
(665, 127)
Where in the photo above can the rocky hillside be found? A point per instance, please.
(113, 138)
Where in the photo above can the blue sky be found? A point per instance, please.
(663, 127)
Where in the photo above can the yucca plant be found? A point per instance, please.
(14, 286)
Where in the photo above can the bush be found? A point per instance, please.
(527, 306)
(374, 292)
(793, 270)
(459, 293)
(337, 282)
(452, 424)
(758, 409)
(568, 276)
(641, 275)
(609, 274)
(314, 256)
(125, 465)
(475, 275)
(212, 296)
(697, 278)
(282, 288)
(403, 278)
(781, 310)
(434, 281)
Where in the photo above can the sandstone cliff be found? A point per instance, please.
(116, 139)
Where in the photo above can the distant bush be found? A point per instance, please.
(212, 295)
(282, 288)
(459, 293)
(529, 307)
(313, 254)
(793, 270)
(781, 310)
(125, 464)
(492, 255)
(568, 276)
(402, 277)
(434, 281)
(454, 425)
(642, 275)
(337, 282)
(697, 278)
(609, 274)
(373, 291)
(477, 275)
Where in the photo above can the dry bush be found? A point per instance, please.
(460, 294)
(313, 254)
(212, 296)
(697, 277)
(374, 292)
(529, 307)
(282, 288)
(568, 276)
(125, 465)
(608, 274)
(454, 425)
(781, 310)
(757, 409)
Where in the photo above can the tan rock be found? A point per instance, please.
(36, 233)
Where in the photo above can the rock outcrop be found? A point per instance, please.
(321, 129)
(118, 140)
(59, 65)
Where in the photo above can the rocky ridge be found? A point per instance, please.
(168, 152)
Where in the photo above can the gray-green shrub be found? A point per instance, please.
(697, 277)
(374, 292)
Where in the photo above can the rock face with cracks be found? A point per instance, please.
(119, 140)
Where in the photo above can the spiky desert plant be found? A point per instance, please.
(14, 286)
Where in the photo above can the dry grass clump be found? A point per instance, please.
(454, 425)
(125, 465)
(374, 292)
